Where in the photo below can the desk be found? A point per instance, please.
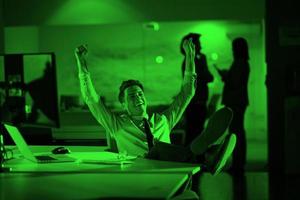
(32, 186)
(142, 179)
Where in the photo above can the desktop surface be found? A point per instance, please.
(19, 164)
(89, 185)
(143, 178)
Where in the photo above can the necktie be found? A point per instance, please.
(148, 133)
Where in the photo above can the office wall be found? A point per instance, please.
(136, 50)
(62, 12)
(60, 25)
(21, 39)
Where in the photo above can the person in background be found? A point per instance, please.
(235, 96)
(39, 90)
(196, 111)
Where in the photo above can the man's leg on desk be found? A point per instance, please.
(213, 161)
(211, 148)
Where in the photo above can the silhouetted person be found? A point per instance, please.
(196, 112)
(235, 96)
(42, 110)
(40, 91)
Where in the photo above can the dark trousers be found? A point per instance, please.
(170, 152)
(195, 116)
(177, 153)
(237, 127)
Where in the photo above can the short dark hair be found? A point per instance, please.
(126, 84)
(240, 48)
(195, 38)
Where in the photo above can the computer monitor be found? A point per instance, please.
(28, 90)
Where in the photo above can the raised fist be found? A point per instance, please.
(189, 47)
(81, 51)
(81, 55)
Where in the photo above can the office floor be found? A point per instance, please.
(253, 186)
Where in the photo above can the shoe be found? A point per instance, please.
(214, 130)
(217, 156)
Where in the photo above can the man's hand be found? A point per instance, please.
(81, 56)
(189, 48)
(81, 51)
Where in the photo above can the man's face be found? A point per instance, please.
(135, 101)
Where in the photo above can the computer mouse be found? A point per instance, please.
(61, 150)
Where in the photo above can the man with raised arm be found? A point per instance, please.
(142, 135)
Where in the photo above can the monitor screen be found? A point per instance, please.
(28, 90)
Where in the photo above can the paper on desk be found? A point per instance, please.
(104, 158)
(109, 162)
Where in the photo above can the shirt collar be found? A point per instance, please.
(139, 117)
(150, 119)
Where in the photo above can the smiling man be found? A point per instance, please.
(132, 98)
(139, 134)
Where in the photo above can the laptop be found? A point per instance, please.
(27, 153)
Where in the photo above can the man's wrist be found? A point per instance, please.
(83, 74)
(82, 67)
(189, 73)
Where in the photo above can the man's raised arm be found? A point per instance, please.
(86, 86)
(175, 111)
(102, 114)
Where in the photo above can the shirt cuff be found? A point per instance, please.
(84, 75)
(190, 74)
